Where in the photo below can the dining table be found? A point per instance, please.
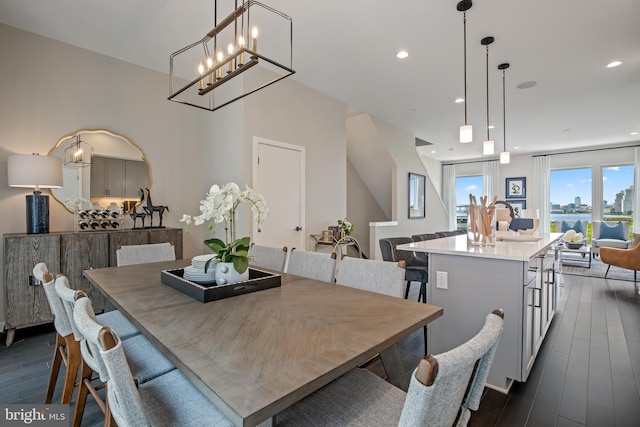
(256, 354)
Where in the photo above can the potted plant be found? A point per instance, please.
(220, 205)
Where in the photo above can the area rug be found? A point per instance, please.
(598, 268)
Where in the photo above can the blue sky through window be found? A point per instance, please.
(466, 185)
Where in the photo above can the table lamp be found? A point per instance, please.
(35, 171)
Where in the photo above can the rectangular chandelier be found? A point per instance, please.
(203, 74)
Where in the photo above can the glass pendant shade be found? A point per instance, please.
(466, 134)
(487, 147)
(505, 157)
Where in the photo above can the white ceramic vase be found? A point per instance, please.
(226, 274)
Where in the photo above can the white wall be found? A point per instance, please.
(362, 208)
(295, 114)
(50, 89)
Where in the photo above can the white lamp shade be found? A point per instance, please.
(505, 157)
(487, 147)
(466, 134)
(32, 170)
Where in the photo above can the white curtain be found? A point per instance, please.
(636, 193)
(449, 193)
(541, 190)
(490, 181)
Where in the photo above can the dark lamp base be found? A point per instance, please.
(37, 213)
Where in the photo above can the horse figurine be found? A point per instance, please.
(149, 208)
(129, 207)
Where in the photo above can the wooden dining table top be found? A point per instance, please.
(256, 354)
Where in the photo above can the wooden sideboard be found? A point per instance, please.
(68, 253)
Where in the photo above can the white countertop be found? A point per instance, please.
(518, 248)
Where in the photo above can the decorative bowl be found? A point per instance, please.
(573, 245)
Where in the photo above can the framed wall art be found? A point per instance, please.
(518, 206)
(416, 195)
(516, 188)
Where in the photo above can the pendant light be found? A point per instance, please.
(466, 131)
(505, 156)
(487, 145)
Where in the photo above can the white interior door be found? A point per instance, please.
(278, 174)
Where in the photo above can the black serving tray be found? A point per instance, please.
(258, 280)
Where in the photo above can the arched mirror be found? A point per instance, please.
(101, 167)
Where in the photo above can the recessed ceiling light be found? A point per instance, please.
(459, 100)
(402, 54)
(633, 133)
(491, 127)
(433, 151)
(614, 64)
(516, 148)
(527, 85)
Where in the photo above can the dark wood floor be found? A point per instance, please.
(587, 372)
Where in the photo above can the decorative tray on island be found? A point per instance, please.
(258, 281)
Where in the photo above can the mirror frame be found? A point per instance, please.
(110, 133)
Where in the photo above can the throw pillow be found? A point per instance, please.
(577, 227)
(611, 231)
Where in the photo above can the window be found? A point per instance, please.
(466, 185)
(570, 195)
(617, 192)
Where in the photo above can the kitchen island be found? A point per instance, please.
(517, 275)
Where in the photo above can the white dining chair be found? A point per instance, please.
(146, 361)
(143, 254)
(67, 349)
(313, 265)
(268, 257)
(443, 391)
(371, 275)
(168, 400)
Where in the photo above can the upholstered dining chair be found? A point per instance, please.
(67, 349)
(313, 265)
(268, 257)
(443, 390)
(146, 360)
(168, 400)
(416, 270)
(371, 275)
(609, 234)
(67, 337)
(143, 254)
(624, 258)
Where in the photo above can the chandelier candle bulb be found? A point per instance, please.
(201, 71)
(219, 70)
(241, 44)
(209, 67)
(230, 51)
(254, 39)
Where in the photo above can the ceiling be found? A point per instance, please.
(347, 50)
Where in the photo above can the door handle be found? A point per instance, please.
(298, 228)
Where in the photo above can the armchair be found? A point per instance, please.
(623, 258)
(608, 235)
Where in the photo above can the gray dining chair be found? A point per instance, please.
(268, 257)
(313, 265)
(67, 337)
(67, 349)
(168, 400)
(146, 360)
(371, 275)
(443, 391)
(143, 254)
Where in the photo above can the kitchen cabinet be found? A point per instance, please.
(469, 282)
(67, 253)
(111, 177)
